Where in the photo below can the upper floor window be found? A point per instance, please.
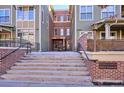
(68, 32)
(61, 32)
(4, 15)
(122, 11)
(68, 19)
(55, 32)
(108, 11)
(31, 13)
(86, 12)
(61, 18)
(25, 13)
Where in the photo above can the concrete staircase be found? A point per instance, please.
(63, 68)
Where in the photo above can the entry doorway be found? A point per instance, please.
(58, 45)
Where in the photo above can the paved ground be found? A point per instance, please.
(11, 83)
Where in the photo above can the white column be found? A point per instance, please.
(107, 31)
(120, 34)
(75, 27)
(40, 28)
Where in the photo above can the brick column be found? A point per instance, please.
(94, 40)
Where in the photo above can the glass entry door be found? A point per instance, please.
(58, 45)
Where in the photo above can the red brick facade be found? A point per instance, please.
(106, 74)
(61, 21)
(103, 71)
(9, 61)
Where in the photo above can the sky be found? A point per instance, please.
(59, 7)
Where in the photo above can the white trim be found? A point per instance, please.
(34, 10)
(107, 11)
(85, 32)
(120, 34)
(9, 16)
(40, 27)
(120, 11)
(110, 34)
(16, 22)
(48, 30)
(86, 19)
(25, 28)
(11, 21)
(61, 21)
(75, 27)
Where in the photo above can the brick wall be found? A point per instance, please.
(9, 61)
(103, 71)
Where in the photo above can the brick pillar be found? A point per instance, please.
(94, 40)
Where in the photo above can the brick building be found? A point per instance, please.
(60, 36)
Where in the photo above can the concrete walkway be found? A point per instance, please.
(13, 83)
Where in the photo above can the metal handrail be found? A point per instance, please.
(2, 57)
(80, 46)
(5, 65)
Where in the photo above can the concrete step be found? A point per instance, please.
(54, 53)
(76, 79)
(57, 55)
(45, 72)
(50, 58)
(53, 61)
(18, 83)
(50, 64)
(48, 68)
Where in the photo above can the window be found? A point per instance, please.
(20, 35)
(42, 16)
(103, 35)
(108, 11)
(86, 12)
(68, 32)
(31, 13)
(55, 32)
(90, 35)
(25, 13)
(122, 10)
(19, 13)
(113, 35)
(68, 18)
(61, 18)
(61, 32)
(4, 15)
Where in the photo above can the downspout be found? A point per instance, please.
(75, 29)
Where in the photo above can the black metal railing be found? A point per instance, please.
(81, 48)
(12, 42)
(3, 55)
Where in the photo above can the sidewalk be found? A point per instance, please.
(13, 83)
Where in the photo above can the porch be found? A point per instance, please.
(105, 45)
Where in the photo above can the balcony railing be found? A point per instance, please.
(106, 45)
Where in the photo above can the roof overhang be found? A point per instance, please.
(7, 28)
(114, 21)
